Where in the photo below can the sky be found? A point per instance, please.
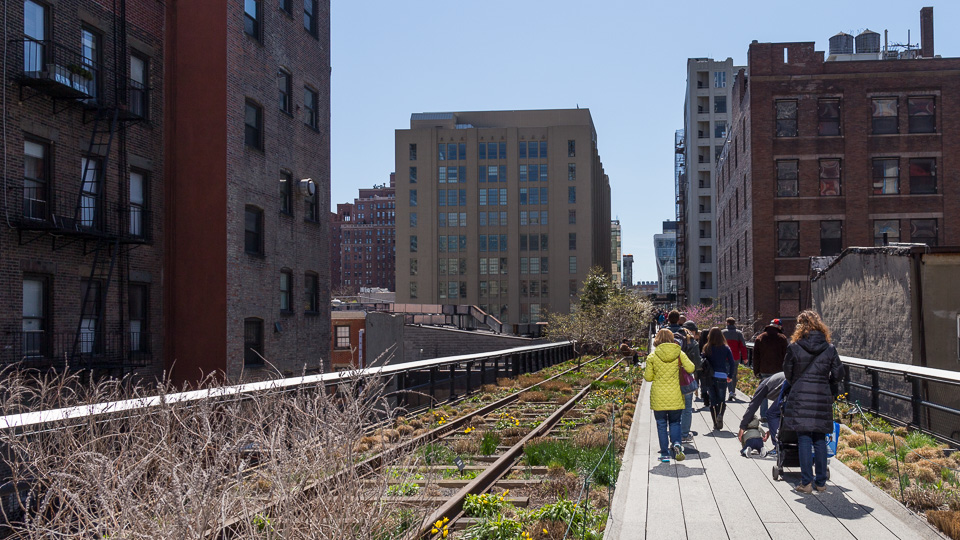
(624, 60)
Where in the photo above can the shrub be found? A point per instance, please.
(923, 498)
(494, 529)
(947, 521)
(878, 463)
(405, 430)
(434, 453)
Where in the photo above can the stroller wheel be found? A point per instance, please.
(776, 473)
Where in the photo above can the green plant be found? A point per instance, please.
(917, 439)
(877, 462)
(583, 522)
(403, 489)
(434, 453)
(601, 461)
(484, 505)
(489, 443)
(455, 473)
(262, 523)
(609, 384)
(398, 524)
(495, 529)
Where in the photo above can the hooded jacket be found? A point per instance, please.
(809, 405)
(663, 370)
(738, 346)
(769, 350)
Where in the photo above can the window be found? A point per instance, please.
(720, 79)
(413, 289)
(886, 231)
(137, 97)
(251, 18)
(310, 16)
(137, 307)
(284, 90)
(90, 48)
(884, 116)
(413, 175)
(829, 177)
(720, 129)
(253, 342)
(720, 104)
(828, 117)
(253, 230)
(413, 197)
(90, 193)
(572, 264)
(413, 220)
(36, 24)
(786, 117)
(286, 5)
(572, 194)
(35, 324)
(924, 231)
(788, 298)
(253, 125)
(413, 152)
(310, 101)
(286, 192)
(286, 291)
(571, 148)
(886, 176)
(413, 243)
(572, 172)
(923, 175)
(311, 291)
(788, 239)
(414, 267)
(572, 217)
(706, 281)
(138, 204)
(921, 115)
(831, 238)
(787, 178)
(343, 337)
(36, 173)
(90, 319)
(572, 241)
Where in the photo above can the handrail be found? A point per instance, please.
(32, 419)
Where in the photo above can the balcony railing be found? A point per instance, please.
(92, 350)
(57, 70)
(86, 215)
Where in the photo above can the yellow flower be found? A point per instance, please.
(446, 519)
(445, 533)
(545, 531)
(434, 530)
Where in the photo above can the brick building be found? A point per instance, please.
(83, 186)
(506, 210)
(348, 343)
(363, 240)
(852, 150)
(248, 152)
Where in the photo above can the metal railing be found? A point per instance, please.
(56, 69)
(92, 349)
(70, 212)
(921, 398)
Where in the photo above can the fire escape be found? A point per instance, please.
(680, 195)
(104, 221)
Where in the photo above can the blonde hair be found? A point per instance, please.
(808, 321)
(663, 336)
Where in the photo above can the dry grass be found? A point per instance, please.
(405, 430)
(179, 470)
(489, 388)
(529, 379)
(467, 445)
(533, 396)
(853, 440)
(848, 453)
(923, 453)
(600, 418)
(947, 521)
(924, 499)
(856, 466)
(506, 382)
(557, 386)
(590, 437)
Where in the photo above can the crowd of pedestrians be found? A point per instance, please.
(797, 377)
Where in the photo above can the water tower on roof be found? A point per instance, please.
(842, 43)
(868, 42)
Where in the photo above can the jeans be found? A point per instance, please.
(818, 442)
(732, 385)
(717, 389)
(763, 404)
(686, 418)
(773, 418)
(665, 420)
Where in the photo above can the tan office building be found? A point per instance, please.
(507, 210)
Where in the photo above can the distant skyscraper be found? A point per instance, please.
(665, 245)
(628, 270)
(615, 251)
(507, 210)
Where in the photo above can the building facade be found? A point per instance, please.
(628, 270)
(84, 187)
(665, 250)
(248, 190)
(363, 235)
(507, 210)
(616, 251)
(706, 121)
(851, 150)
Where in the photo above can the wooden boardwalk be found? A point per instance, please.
(716, 493)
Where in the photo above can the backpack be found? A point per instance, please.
(707, 372)
(691, 349)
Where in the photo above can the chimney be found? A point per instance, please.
(926, 32)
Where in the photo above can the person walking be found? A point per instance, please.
(738, 346)
(673, 321)
(769, 348)
(812, 368)
(690, 347)
(666, 401)
(717, 354)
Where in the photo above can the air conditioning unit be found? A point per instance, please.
(308, 187)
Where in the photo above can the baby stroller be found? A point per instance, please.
(788, 450)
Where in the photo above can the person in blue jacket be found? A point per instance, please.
(720, 358)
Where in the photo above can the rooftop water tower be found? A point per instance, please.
(868, 42)
(842, 43)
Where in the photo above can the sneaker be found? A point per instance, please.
(678, 452)
(687, 439)
(763, 453)
(800, 488)
(772, 453)
(732, 399)
(664, 459)
(763, 420)
(744, 453)
(821, 489)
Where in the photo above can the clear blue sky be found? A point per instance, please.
(624, 60)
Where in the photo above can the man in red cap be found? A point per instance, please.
(769, 349)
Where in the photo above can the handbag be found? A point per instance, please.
(688, 384)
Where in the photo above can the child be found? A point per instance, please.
(753, 438)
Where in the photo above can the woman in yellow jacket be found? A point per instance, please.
(663, 370)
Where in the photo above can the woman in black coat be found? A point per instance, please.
(812, 368)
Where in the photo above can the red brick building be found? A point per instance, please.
(248, 151)
(348, 339)
(851, 150)
(80, 275)
(363, 241)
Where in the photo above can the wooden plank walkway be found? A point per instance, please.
(717, 493)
